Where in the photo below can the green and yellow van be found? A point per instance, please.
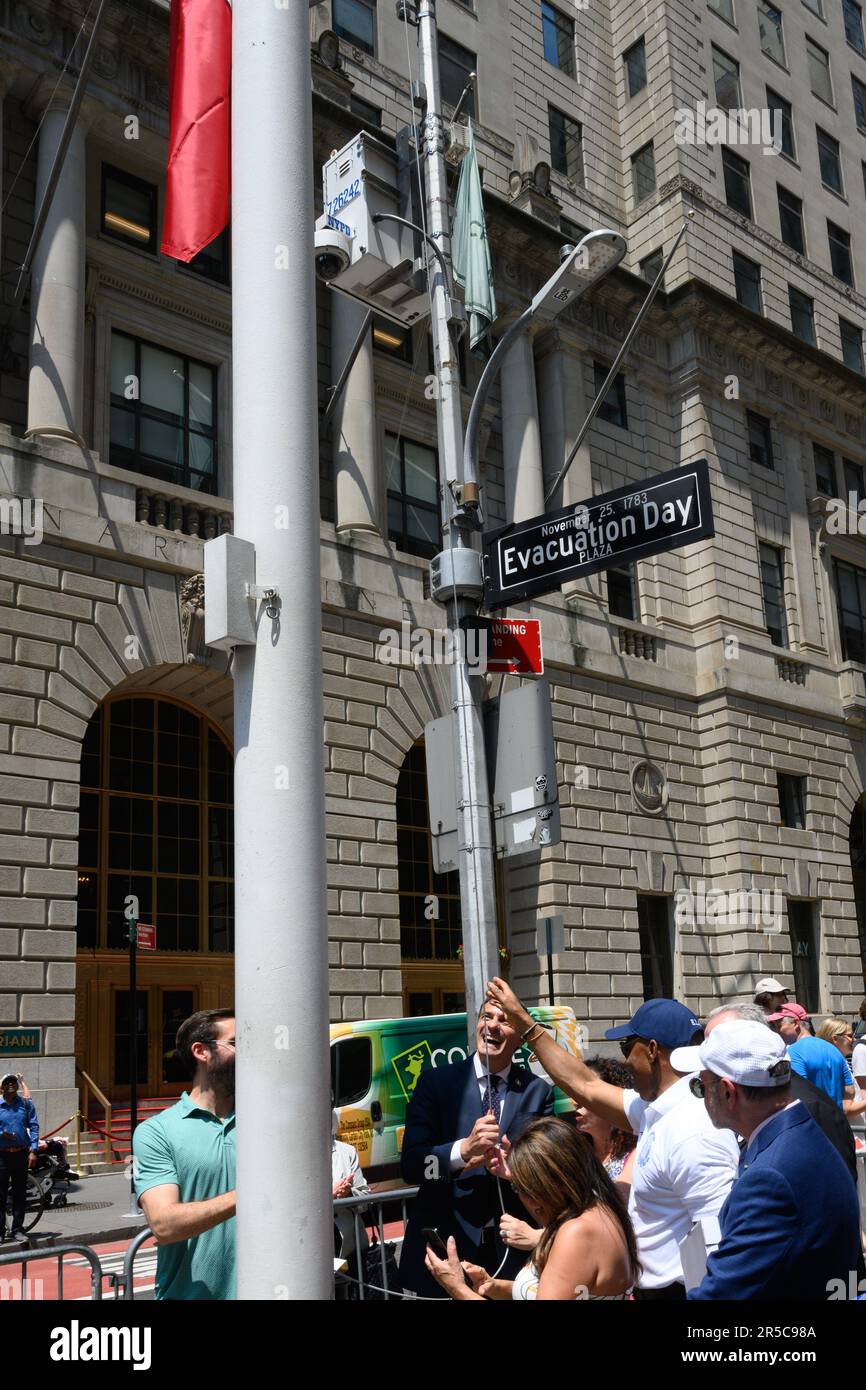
(375, 1065)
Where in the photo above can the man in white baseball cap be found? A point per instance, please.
(791, 1223)
(771, 994)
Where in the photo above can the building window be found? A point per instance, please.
(802, 315)
(859, 91)
(791, 219)
(370, 115)
(825, 470)
(566, 145)
(634, 59)
(656, 946)
(650, 267)
(155, 820)
(726, 75)
(853, 16)
(456, 63)
(815, 6)
(725, 8)
(770, 27)
(792, 801)
(855, 480)
(643, 173)
(738, 194)
(422, 938)
(413, 496)
(622, 592)
(851, 600)
(129, 208)
(840, 253)
(163, 414)
(803, 929)
(613, 407)
(779, 105)
(828, 158)
(760, 439)
(558, 34)
(393, 340)
(747, 282)
(213, 262)
(773, 591)
(355, 20)
(819, 71)
(852, 345)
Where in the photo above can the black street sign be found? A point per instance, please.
(537, 556)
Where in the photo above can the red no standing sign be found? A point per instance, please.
(514, 647)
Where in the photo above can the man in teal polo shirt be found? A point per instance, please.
(184, 1167)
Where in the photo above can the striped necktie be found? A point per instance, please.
(493, 1095)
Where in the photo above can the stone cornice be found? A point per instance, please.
(109, 267)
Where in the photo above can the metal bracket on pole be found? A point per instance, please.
(268, 595)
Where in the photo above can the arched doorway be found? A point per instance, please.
(155, 821)
(857, 843)
(430, 927)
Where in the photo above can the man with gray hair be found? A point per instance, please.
(826, 1114)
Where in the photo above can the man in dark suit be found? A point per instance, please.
(453, 1123)
(791, 1225)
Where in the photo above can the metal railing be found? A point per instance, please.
(90, 1085)
(43, 1253)
(358, 1207)
(125, 1287)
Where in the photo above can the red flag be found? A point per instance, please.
(198, 177)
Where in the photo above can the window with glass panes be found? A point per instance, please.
(129, 208)
(155, 820)
(791, 219)
(413, 496)
(859, 93)
(163, 414)
(852, 345)
(455, 65)
(819, 71)
(355, 20)
(781, 110)
(760, 439)
(622, 595)
(726, 76)
(393, 339)
(773, 592)
(643, 172)
(747, 282)
(840, 253)
(825, 470)
(855, 480)
(853, 17)
(558, 36)
(770, 28)
(371, 115)
(828, 158)
(213, 262)
(656, 945)
(725, 8)
(792, 800)
(802, 315)
(634, 59)
(851, 602)
(738, 193)
(566, 145)
(803, 931)
(423, 937)
(613, 407)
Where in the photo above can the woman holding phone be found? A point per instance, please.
(587, 1247)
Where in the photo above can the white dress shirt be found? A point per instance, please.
(683, 1171)
(457, 1159)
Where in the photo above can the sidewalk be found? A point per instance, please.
(77, 1223)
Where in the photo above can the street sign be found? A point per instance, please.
(615, 528)
(514, 646)
(20, 1042)
(145, 938)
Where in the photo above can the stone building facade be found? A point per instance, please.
(709, 706)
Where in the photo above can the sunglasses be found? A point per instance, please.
(626, 1044)
(697, 1088)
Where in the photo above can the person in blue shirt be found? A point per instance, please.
(819, 1061)
(19, 1140)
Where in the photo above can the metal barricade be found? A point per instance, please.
(50, 1252)
(127, 1291)
(358, 1207)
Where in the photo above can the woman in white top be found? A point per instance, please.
(587, 1248)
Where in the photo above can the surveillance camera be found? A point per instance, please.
(333, 251)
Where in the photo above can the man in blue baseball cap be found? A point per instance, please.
(684, 1167)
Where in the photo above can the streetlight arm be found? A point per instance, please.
(443, 265)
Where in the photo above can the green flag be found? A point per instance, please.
(470, 253)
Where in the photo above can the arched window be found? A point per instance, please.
(156, 820)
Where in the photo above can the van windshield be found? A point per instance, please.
(351, 1069)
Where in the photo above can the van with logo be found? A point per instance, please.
(376, 1063)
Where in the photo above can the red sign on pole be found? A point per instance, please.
(514, 646)
(145, 937)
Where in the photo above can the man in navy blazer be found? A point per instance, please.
(791, 1224)
(453, 1123)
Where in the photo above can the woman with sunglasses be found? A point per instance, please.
(587, 1248)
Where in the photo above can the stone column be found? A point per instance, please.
(56, 386)
(563, 411)
(354, 424)
(797, 462)
(521, 433)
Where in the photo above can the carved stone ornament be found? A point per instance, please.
(529, 181)
(649, 788)
(191, 592)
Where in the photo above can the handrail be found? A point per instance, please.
(90, 1085)
(42, 1252)
(127, 1291)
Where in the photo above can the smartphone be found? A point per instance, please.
(435, 1241)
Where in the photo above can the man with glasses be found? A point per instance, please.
(791, 1225)
(815, 1058)
(184, 1167)
(684, 1167)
